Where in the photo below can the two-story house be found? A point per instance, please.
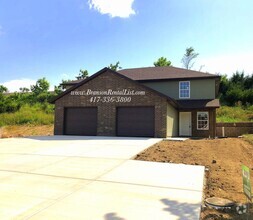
(144, 102)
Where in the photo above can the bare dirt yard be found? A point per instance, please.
(222, 157)
(26, 130)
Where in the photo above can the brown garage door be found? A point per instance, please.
(80, 121)
(135, 121)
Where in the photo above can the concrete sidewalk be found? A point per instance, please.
(90, 178)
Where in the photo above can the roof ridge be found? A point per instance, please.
(169, 67)
(164, 73)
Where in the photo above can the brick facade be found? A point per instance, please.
(107, 111)
(211, 132)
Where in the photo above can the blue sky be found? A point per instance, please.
(55, 38)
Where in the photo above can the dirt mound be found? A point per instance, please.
(221, 157)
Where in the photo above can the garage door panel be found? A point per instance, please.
(135, 121)
(80, 121)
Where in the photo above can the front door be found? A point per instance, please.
(185, 124)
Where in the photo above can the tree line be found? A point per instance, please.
(38, 93)
(235, 90)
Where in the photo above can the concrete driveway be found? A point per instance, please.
(93, 178)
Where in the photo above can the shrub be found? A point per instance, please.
(28, 115)
(9, 106)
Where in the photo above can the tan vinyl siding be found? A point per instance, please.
(172, 121)
(200, 88)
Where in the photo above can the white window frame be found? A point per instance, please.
(184, 89)
(207, 128)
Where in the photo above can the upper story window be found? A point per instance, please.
(184, 89)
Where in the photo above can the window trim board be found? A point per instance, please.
(208, 121)
(184, 89)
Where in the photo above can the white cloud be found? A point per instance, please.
(14, 85)
(115, 8)
(228, 64)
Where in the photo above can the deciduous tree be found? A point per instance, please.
(162, 61)
(61, 87)
(188, 57)
(82, 74)
(115, 67)
(3, 89)
(41, 86)
(24, 89)
(236, 89)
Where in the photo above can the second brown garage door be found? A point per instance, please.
(80, 121)
(136, 121)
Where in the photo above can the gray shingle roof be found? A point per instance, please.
(162, 73)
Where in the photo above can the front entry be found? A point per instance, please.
(185, 124)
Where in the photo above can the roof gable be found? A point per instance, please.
(104, 70)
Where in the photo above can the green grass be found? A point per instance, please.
(38, 114)
(235, 114)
